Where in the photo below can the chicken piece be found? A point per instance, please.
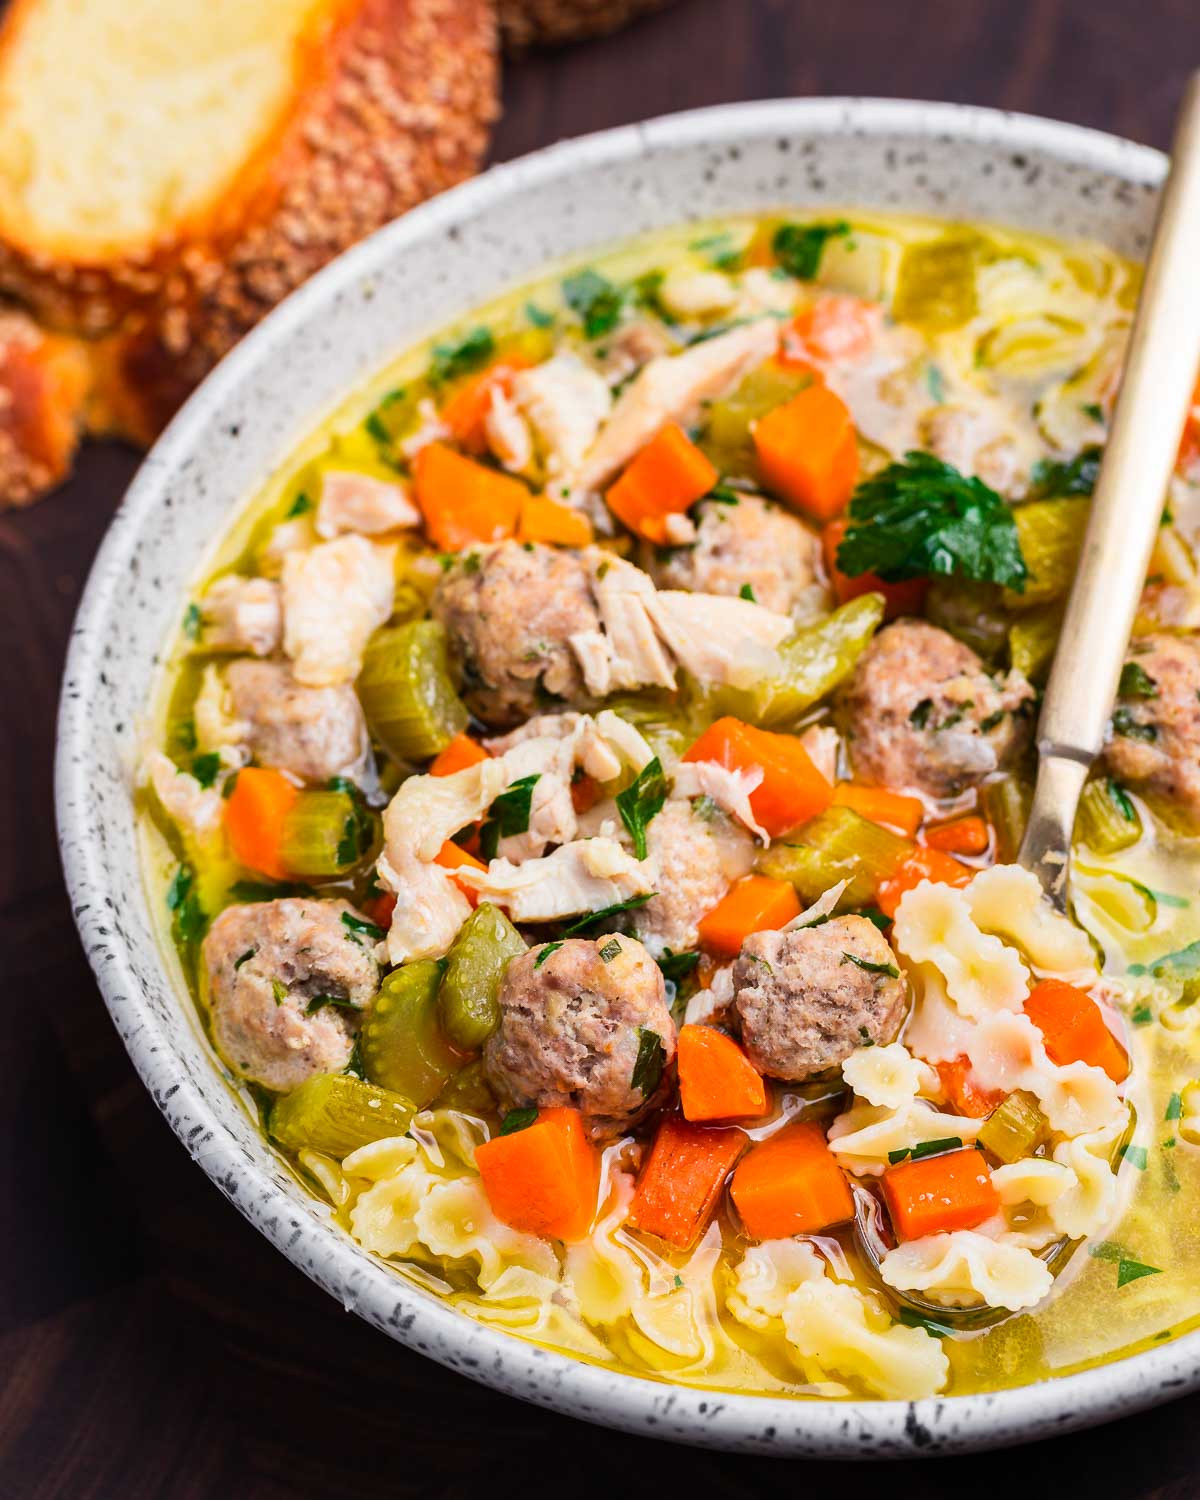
(751, 544)
(696, 856)
(285, 980)
(806, 998)
(623, 352)
(507, 432)
(730, 790)
(576, 878)
(923, 715)
(672, 388)
(427, 810)
(334, 598)
(430, 907)
(354, 502)
(564, 401)
(315, 733)
(217, 726)
(627, 653)
(242, 614)
(687, 292)
(718, 639)
(762, 291)
(196, 809)
(1155, 744)
(573, 1023)
(510, 612)
(298, 534)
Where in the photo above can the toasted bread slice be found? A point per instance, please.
(44, 383)
(541, 23)
(169, 169)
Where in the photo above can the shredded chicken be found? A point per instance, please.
(296, 535)
(671, 388)
(427, 810)
(430, 908)
(242, 614)
(333, 598)
(565, 401)
(431, 429)
(217, 726)
(689, 293)
(579, 877)
(361, 503)
(507, 432)
(196, 809)
(730, 790)
(717, 638)
(629, 653)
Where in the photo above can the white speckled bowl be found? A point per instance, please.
(434, 264)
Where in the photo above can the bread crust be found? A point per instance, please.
(543, 23)
(392, 102)
(44, 382)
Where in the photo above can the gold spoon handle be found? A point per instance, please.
(1160, 374)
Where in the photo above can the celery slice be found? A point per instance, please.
(1015, 1128)
(1033, 640)
(838, 844)
(1007, 801)
(406, 691)
(468, 1006)
(323, 834)
(936, 283)
(401, 1043)
(336, 1114)
(468, 1091)
(1107, 820)
(1051, 534)
(728, 438)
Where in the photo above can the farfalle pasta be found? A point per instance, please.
(982, 974)
(967, 1269)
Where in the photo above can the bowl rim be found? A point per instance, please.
(764, 1424)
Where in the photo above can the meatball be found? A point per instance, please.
(979, 441)
(806, 999)
(509, 611)
(267, 965)
(573, 1021)
(1155, 745)
(922, 714)
(753, 543)
(697, 859)
(313, 732)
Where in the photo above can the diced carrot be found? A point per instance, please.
(452, 856)
(1189, 444)
(665, 477)
(381, 909)
(755, 904)
(904, 598)
(893, 809)
(543, 1179)
(254, 815)
(792, 790)
(462, 501)
(921, 864)
(1074, 1029)
(586, 791)
(835, 328)
(549, 521)
(791, 1184)
(808, 453)
(677, 1192)
(466, 410)
(938, 1193)
(717, 1081)
(965, 1095)
(969, 835)
(461, 753)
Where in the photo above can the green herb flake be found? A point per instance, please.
(868, 967)
(746, 592)
(1094, 410)
(1174, 1108)
(926, 1148)
(1142, 1016)
(188, 918)
(913, 1319)
(1107, 1250)
(641, 801)
(678, 1281)
(205, 767)
(1136, 682)
(723, 494)
(449, 361)
(595, 300)
(594, 918)
(865, 1039)
(799, 248)
(1120, 799)
(508, 815)
(651, 1058)
(1134, 1270)
(355, 1063)
(538, 316)
(677, 966)
(245, 958)
(611, 950)
(935, 383)
(993, 721)
(544, 954)
(192, 622)
(359, 925)
(705, 807)
(518, 1119)
(922, 517)
(336, 1002)
(875, 917)
(279, 990)
(1129, 728)
(919, 718)
(1184, 963)
(1136, 1156)
(378, 423)
(299, 506)
(1053, 480)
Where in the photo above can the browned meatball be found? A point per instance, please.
(573, 1020)
(806, 999)
(753, 543)
(1155, 744)
(268, 966)
(509, 611)
(922, 713)
(313, 732)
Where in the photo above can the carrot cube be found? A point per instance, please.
(717, 1081)
(681, 1182)
(1073, 1028)
(940, 1193)
(755, 904)
(543, 1179)
(669, 474)
(791, 1184)
(808, 453)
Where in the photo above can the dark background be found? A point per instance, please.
(151, 1344)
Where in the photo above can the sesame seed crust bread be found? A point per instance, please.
(543, 23)
(376, 105)
(43, 388)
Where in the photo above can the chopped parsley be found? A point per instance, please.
(651, 1058)
(868, 967)
(1129, 728)
(641, 801)
(188, 919)
(1184, 963)
(385, 423)
(1174, 1108)
(508, 815)
(746, 592)
(319, 1002)
(298, 506)
(279, 990)
(244, 959)
(935, 383)
(538, 316)
(1094, 410)
(1053, 480)
(205, 767)
(452, 360)
(923, 517)
(677, 966)
(545, 953)
(359, 925)
(1134, 1270)
(875, 917)
(1142, 1016)
(919, 717)
(358, 829)
(1120, 799)
(704, 807)
(926, 1148)
(247, 892)
(992, 721)
(913, 1319)
(594, 918)
(192, 622)
(1136, 1156)
(595, 300)
(355, 1063)
(518, 1119)
(865, 1038)
(611, 950)
(723, 495)
(1136, 682)
(799, 247)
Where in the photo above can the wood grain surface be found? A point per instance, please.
(151, 1344)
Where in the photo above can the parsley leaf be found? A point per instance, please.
(279, 990)
(246, 892)
(865, 964)
(188, 918)
(538, 316)
(355, 925)
(594, 918)
(451, 360)
(611, 950)
(1136, 682)
(518, 1119)
(1174, 1107)
(205, 767)
(1184, 963)
(677, 966)
(595, 299)
(1136, 1156)
(1129, 728)
(651, 1058)
(1053, 480)
(919, 717)
(1119, 798)
(641, 801)
(926, 1148)
(192, 622)
(244, 959)
(298, 506)
(747, 592)
(1134, 1270)
(913, 1319)
(508, 814)
(319, 1002)
(923, 517)
(544, 954)
(799, 247)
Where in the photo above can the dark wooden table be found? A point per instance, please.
(151, 1344)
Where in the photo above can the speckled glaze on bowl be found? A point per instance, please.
(435, 264)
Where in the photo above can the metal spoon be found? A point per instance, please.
(1160, 374)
